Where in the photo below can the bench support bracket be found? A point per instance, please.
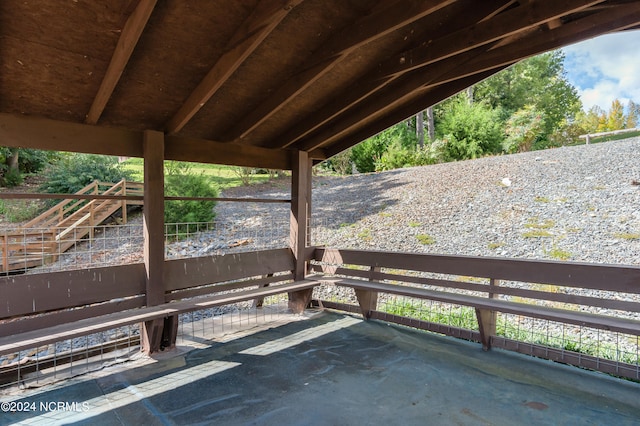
(487, 326)
(368, 301)
(299, 300)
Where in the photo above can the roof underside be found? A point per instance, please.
(311, 75)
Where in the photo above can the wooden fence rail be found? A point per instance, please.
(601, 297)
(588, 137)
(43, 238)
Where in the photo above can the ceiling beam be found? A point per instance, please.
(19, 131)
(476, 64)
(391, 17)
(545, 39)
(204, 151)
(427, 98)
(376, 80)
(265, 18)
(129, 37)
(517, 20)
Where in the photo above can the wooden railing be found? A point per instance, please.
(43, 238)
(603, 298)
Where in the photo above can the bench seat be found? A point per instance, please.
(366, 292)
(47, 335)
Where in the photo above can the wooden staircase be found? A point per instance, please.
(41, 240)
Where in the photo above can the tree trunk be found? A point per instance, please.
(430, 126)
(420, 129)
(12, 161)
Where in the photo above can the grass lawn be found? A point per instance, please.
(222, 176)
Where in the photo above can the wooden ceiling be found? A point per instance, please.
(246, 81)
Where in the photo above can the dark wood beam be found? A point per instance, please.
(21, 131)
(462, 65)
(300, 210)
(264, 19)
(478, 67)
(126, 44)
(390, 17)
(544, 39)
(376, 80)
(203, 151)
(521, 19)
(427, 98)
(153, 224)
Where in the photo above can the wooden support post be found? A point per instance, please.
(487, 320)
(368, 300)
(124, 202)
(299, 224)
(153, 219)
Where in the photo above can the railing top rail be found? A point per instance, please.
(572, 274)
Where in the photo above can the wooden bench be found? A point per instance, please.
(367, 294)
(61, 332)
(47, 308)
(403, 274)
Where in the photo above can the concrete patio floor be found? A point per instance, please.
(334, 369)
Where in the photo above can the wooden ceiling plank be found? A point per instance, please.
(480, 64)
(244, 42)
(127, 42)
(415, 60)
(369, 28)
(366, 86)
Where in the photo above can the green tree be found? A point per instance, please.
(181, 181)
(470, 130)
(539, 81)
(523, 129)
(615, 118)
(16, 162)
(366, 154)
(75, 171)
(633, 113)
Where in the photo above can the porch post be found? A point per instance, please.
(153, 223)
(299, 224)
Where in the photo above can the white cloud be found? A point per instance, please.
(605, 68)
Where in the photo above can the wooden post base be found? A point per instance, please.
(158, 335)
(368, 301)
(487, 326)
(299, 300)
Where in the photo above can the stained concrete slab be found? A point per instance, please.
(335, 369)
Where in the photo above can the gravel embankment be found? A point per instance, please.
(583, 200)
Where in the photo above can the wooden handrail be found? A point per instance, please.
(61, 220)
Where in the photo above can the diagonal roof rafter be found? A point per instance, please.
(374, 81)
(387, 18)
(478, 66)
(127, 42)
(406, 67)
(244, 42)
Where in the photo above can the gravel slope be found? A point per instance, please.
(577, 203)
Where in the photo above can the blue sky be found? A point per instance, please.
(605, 68)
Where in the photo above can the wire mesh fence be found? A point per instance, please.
(608, 351)
(68, 358)
(40, 250)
